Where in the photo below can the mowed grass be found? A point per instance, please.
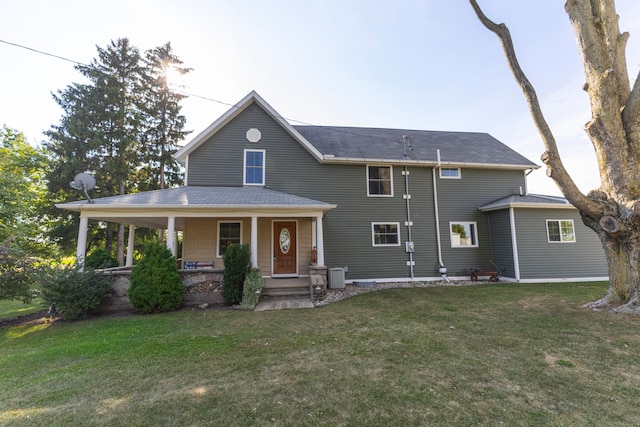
(497, 354)
(12, 309)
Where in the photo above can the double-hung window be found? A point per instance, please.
(254, 167)
(229, 233)
(385, 233)
(560, 231)
(379, 181)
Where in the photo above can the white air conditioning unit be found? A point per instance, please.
(336, 278)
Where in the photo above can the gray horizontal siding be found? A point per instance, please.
(292, 169)
(459, 200)
(540, 259)
(501, 241)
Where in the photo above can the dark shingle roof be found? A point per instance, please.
(527, 200)
(388, 144)
(191, 196)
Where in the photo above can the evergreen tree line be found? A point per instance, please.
(122, 126)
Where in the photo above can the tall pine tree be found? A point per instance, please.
(123, 122)
(164, 125)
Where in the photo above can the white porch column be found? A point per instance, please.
(254, 241)
(130, 242)
(81, 250)
(171, 234)
(319, 240)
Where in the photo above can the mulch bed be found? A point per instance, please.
(30, 319)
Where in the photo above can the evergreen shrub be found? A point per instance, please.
(156, 286)
(251, 289)
(76, 294)
(237, 260)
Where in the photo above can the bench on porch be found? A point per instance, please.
(197, 265)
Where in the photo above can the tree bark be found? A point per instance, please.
(613, 210)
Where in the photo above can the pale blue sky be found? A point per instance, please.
(411, 64)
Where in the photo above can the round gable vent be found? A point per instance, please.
(254, 135)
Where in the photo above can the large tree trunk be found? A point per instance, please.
(612, 211)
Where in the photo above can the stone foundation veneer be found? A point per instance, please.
(200, 287)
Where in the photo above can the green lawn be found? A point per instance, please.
(11, 309)
(498, 354)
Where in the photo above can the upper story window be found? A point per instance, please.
(379, 181)
(385, 233)
(254, 167)
(463, 234)
(452, 173)
(560, 231)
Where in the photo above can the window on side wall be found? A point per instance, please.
(560, 231)
(229, 233)
(450, 173)
(379, 181)
(385, 233)
(463, 234)
(254, 167)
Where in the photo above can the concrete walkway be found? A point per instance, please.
(284, 303)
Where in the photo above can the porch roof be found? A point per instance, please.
(152, 208)
(527, 201)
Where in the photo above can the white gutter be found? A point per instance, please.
(330, 158)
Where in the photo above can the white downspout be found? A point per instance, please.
(514, 244)
(442, 269)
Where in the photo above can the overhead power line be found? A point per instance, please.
(43, 53)
(183, 92)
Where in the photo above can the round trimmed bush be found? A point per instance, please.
(76, 294)
(155, 282)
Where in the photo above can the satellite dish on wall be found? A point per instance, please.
(85, 182)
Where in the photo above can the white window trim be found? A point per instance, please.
(373, 234)
(573, 227)
(475, 234)
(450, 177)
(391, 181)
(244, 167)
(218, 254)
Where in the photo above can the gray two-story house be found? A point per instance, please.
(383, 204)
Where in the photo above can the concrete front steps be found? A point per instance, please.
(279, 294)
(295, 287)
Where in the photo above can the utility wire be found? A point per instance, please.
(43, 53)
(182, 92)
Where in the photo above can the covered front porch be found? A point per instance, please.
(283, 231)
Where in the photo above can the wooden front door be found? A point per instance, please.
(285, 260)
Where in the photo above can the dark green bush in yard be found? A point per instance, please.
(156, 286)
(236, 266)
(76, 294)
(100, 258)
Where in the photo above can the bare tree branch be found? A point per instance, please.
(551, 157)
